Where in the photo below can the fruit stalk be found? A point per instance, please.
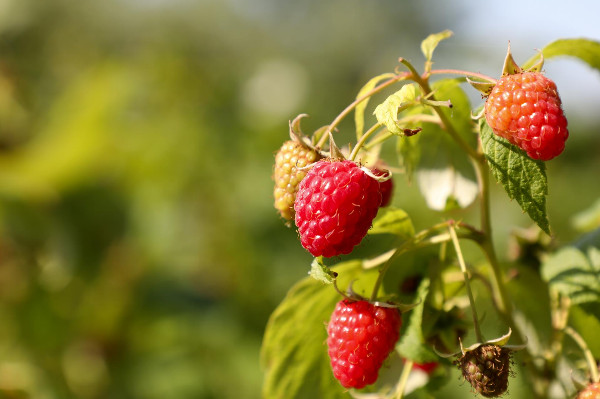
(463, 268)
(403, 379)
(586, 351)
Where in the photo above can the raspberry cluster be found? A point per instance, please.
(360, 338)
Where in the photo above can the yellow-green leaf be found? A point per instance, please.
(586, 50)
(359, 111)
(430, 43)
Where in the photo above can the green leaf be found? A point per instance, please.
(574, 270)
(573, 273)
(294, 354)
(387, 112)
(393, 221)
(359, 111)
(523, 178)
(430, 43)
(588, 219)
(444, 173)
(412, 342)
(586, 50)
(320, 272)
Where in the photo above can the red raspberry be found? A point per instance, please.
(592, 391)
(426, 367)
(335, 205)
(386, 187)
(360, 338)
(525, 109)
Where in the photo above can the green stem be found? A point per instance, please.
(420, 240)
(363, 139)
(409, 119)
(427, 92)
(462, 73)
(353, 105)
(501, 296)
(403, 379)
(463, 268)
(586, 351)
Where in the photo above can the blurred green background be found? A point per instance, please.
(140, 255)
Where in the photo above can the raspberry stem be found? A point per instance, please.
(363, 139)
(420, 240)
(463, 268)
(586, 351)
(462, 73)
(408, 365)
(353, 105)
(423, 118)
(427, 92)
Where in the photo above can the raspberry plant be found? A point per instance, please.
(540, 309)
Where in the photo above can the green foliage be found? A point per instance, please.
(320, 272)
(574, 271)
(430, 43)
(584, 49)
(412, 344)
(387, 111)
(523, 178)
(395, 221)
(294, 354)
(446, 177)
(359, 111)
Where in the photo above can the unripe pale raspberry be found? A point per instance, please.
(525, 109)
(592, 391)
(335, 206)
(288, 173)
(360, 336)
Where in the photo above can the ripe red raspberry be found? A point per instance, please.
(386, 187)
(525, 109)
(335, 206)
(592, 391)
(291, 157)
(360, 338)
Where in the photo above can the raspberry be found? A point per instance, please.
(487, 369)
(335, 206)
(291, 157)
(592, 391)
(525, 109)
(426, 367)
(360, 338)
(385, 187)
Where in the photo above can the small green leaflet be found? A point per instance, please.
(359, 111)
(586, 50)
(387, 112)
(430, 43)
(320, 272)
(523, 178)
(574, 271)
(393, 221)
(412, 343)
